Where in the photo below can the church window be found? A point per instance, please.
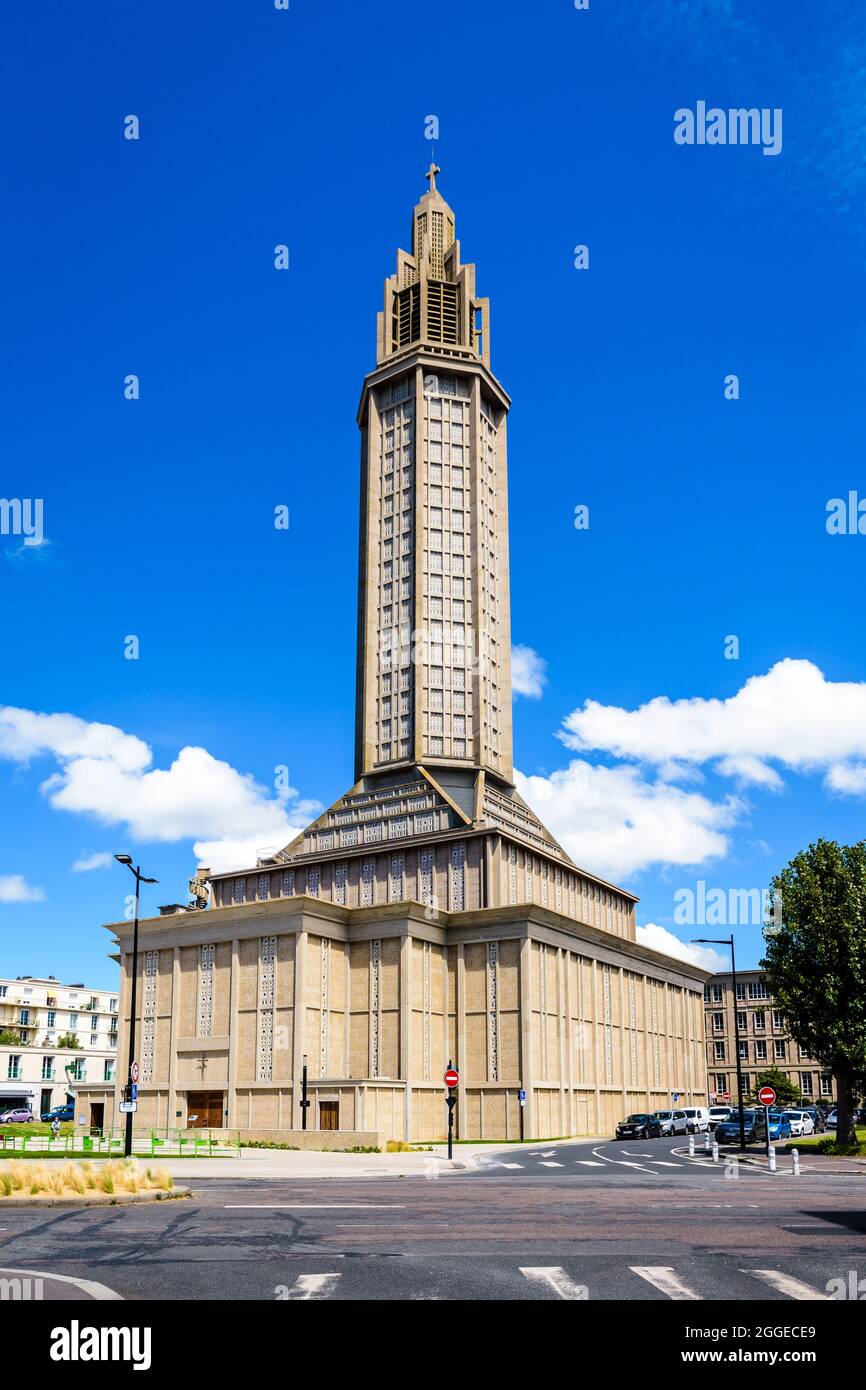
(264, 886)
(340, 876)
(367, 880)
(396, 877)
(238, 891)
(288, 883)
(313, 877)
(436, 747)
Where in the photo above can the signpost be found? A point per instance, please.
(452, 1081)
(767, 1097)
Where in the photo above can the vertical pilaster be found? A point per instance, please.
(231, 1117)
(299, 1011)
(406, 1032)
(526, 1077)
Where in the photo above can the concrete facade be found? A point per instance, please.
(428, 916)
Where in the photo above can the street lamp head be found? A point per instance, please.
(149, 880)
(123, 858)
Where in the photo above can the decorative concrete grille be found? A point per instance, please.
(493, 1010)
(375, 1000)
(542, 1006)
(608, 1026)
(288, 885)
(654, 998)
(632, 1007)
(205, 990)
(325, 1010)
(457, 895)
(264, 887)
(396, 894)
(426, 950)
(367, 874)
(267, 994)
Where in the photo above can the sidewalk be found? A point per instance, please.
(291, 1163)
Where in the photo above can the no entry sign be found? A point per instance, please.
(451, 1078)
(133, 1072)
(766, 1095)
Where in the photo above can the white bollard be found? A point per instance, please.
(795, 1163)
(707, 1142)
(691, 1146)
(772, 1158)
(715, 1151)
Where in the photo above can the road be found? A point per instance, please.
(601, 1221)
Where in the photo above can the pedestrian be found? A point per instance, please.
(55, 1127)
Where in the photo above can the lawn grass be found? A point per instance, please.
(35, 1130)
(827, 1144)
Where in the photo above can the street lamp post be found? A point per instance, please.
(729, 941)
(139, 879)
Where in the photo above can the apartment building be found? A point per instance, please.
(764, 1039)
(41, 1069)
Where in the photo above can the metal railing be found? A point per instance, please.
(109, 1143)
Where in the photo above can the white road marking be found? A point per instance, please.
(625, 1163)
(786, 1284)
(663, 1163)
(101, 1292)
(557, 1279)
(662, 1277)
(313, 1286)
(548, 1163)
(590, 1162)
(315, 1206)
(511, 1165)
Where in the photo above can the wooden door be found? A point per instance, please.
(329, 1114)
(207, 1107)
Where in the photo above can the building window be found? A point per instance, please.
(112, 1007)
(778, 1021)
(24, 1016)
(717, 994)
(13, 1070)
(758, 990)
(745, 1084)
(94, 1039)
(367, 882)
(719, 1051)
(721, 1084)
(288, 883)
(264, 886)
(760, 1050)
(238, 891)
(312, 883)
(3, 989)
(779, 1049)
(826, 1084)
(741, 1019)
(760, 1020)
(341, 873)
(108, 1071)
(396, 885)
(741, 991)
(806, 1083)
(78, 1069)
(73, 1020)
(744, 1052)
(47, 1068)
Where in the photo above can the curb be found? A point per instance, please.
(98, 1199)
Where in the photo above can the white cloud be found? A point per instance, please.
(88, 862)
(106, 773)
(792, 715)
(660, 939)
(528, 672)
(14, 888)
(614, 822)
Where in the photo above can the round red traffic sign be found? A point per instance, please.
(766, 1095)
(451, 1078)
(726, 1095)
(133, 1073)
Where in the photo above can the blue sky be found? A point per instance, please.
(707, 516)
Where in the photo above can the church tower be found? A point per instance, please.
(434, 664)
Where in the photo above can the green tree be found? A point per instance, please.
(816, 963)
(787, 1091)
(69, 1040)
(9, 1038)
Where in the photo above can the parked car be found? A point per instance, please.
(801, 1123)
(754, 1127)
(780, 1125)
(671, 1122)
(831, 1119)
(817, 1116)
(638, 1127)
(718, 1113)
(19, 1116)
(697, 1119)
(60, 1112)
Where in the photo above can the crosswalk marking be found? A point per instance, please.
(557, 1279)
(589, 1162)
(787, 1284)
(662, 1277)
(312, 1286)
(548, 1163)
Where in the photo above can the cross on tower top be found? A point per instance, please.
(431, 175)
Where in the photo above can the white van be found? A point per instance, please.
(697, 1119)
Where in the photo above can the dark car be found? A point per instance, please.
(638, 1127)
(60, 1112)
(817, 1117)
(754, 1127)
